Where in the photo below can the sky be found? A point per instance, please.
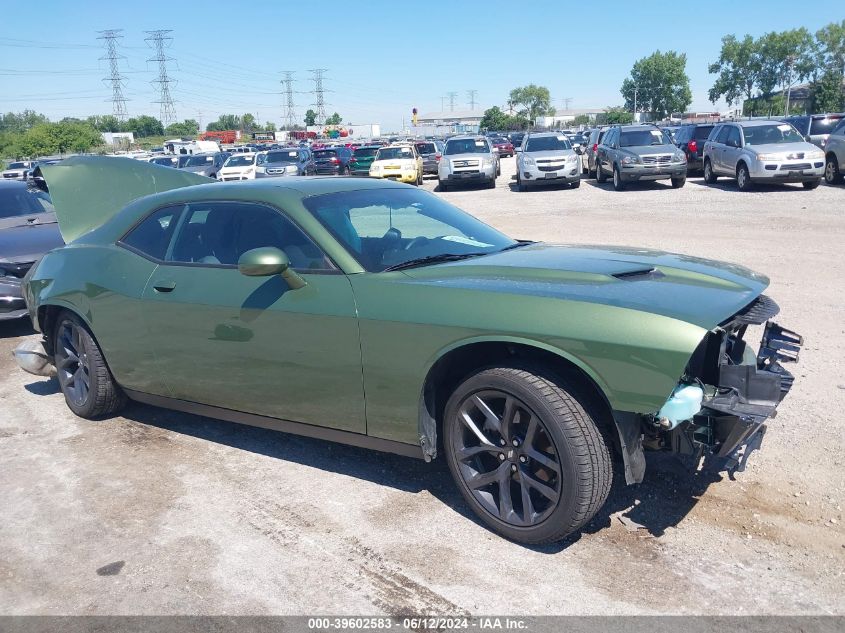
(383, 58)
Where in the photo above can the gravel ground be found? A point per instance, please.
(159, 512)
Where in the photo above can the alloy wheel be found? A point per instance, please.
(830, 170)
(506, 458)
(74, 371)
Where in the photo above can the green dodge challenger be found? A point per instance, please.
(376, 314)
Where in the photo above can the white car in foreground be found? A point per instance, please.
(239, 167)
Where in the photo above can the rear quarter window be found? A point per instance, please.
(152, 235)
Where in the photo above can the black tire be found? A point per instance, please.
(832, 174)
(419, 178)
(520, 186)
(576, 184)
(677, 183)
(492, 183)
(709, 175)
(600, 177)
(441, 185)
(573, 445)
(618, 185)
(743, 178)
(811, 184)
(85, 380)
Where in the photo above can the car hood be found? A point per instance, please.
(698, 291)
(645, 150)
(470, 156)
(554, 153)
(199, 169)
(88, 190)
(20, 244)
(783, 148)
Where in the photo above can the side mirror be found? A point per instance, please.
(517, 149)
(579, 150)
(268, 261)
(807, 138)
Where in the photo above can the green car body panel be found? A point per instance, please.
(353, 350)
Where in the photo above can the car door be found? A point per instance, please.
(254, 344)
(731, 150)
(716, 148)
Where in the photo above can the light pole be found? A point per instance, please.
(635, 104)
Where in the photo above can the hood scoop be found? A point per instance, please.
(641, 274)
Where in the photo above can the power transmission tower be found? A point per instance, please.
(159, 40)
(451, 96)
(290, 116)
(471, 96)
(110, 38)
(566, 102)
(319, 91)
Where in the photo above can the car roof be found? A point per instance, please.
(8, 184)
(546, 134)
(468, 137)
(758, 123)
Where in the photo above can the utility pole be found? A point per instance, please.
(159, 40)
(290, 116)
(199, 120)
(110, 38)
(442, 103)
(471, 96)
(789, 61)
(319, 94)
(635, 104)
(451, 96)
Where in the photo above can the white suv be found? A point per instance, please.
(547, 158)
(468, 159)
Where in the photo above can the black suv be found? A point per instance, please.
(690, 139)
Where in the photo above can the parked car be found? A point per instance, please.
(467, 159)
(205, 164)
(362, 158)
(238, 167)
(167, 160)
(516, 139)
(28, 229)
(505, 147)
(332, 160)
(547, 158)
(671, 130)
(636, 153)
(761, 151)
(19, 170)
(521, 363)
(690, 139)
(593, 142)
(399, 162)
(835, 155)
(289, 161)
(815, 128)
(431, 152)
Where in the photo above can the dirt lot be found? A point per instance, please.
(161, 512)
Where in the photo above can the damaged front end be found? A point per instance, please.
(737, 391)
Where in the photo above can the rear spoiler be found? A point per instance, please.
(88, 190)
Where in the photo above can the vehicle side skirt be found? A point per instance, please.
(284, 426)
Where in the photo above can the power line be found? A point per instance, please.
(290, 116)
(158, 40)
(451, 96)
(110, 38)
(566, 102)
(319, 94)
(471, 96)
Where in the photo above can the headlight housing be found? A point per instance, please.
(680, 157)
(487, 162)
(769, 157)
(292, 168)
(527, 161)
(630, 159)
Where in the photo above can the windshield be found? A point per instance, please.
(636, 138)
(15, 201)
(702, 132)
(365, 152)
(771, 134)
(199, 161)
(282, 157)
(325, 153)
(824, 126)
(426, 148)
(394, 153)
(183, 160)
(547, 143)
(387, 227)
(166, 162)
(466, 146)
(18, 166)
(240, 160)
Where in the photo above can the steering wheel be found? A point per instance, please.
(417, 241)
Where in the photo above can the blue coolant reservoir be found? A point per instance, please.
(684, 403)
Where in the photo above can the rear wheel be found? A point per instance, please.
(618, 185)
(709, 174)
(85, 380)
(525, 454)
(812, 184)
(600, 177)
(743, 178)
(832, 175)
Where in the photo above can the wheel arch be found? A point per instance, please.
(47, 313)
(454, 363)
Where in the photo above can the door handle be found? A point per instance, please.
(164, 286)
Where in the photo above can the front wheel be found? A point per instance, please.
(441, 185)
(743, 178)
(709, 174)
(600, 177)
(525, 454)
(575, 184)
(812, 184)
(618, 185)
(84, 378)
(677, 183)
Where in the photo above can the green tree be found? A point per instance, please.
(145, 126)
(334, 119)
(310, 117)
(248, 123)
(659, 83)
(614, 115)
(187, 128)
(225, 122)
(58, 138)
(738, 69)
(534, 101)
(270, 126)
(494, 119)
(20, 122)
(828, 94)
(581, 119)
(786, 57)
(106, 123)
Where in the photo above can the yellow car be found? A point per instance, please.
(398, 162)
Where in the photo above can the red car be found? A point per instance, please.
(504, 146)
